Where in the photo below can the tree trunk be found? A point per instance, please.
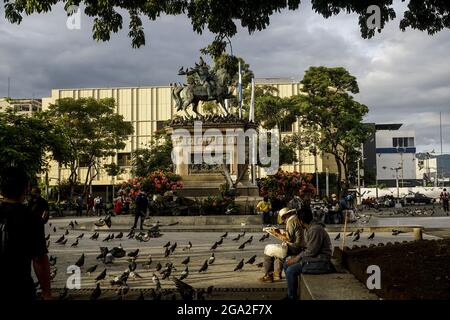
(339, 175)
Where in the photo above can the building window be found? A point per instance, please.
(160, 125)
(403, 142)
(124, 159)
(286, 127)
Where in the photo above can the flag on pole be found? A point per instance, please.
(240, 90)
(251, 117)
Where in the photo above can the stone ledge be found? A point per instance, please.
(333, 286)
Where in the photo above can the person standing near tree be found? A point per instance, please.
(79, 205)
(22, 241)
(38, 205)
(445, 200)
(264, 208)
(89, 204)
(141, 203)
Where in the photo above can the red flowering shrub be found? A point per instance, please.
(283, 185)
(157, 182)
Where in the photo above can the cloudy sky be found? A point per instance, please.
(403, 76)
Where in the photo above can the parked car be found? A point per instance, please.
(416, 198)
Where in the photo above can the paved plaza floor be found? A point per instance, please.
(227, 283)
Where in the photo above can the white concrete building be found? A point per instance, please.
(395, 155)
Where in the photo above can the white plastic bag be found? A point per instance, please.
(276, 250)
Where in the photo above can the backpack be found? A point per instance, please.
(3, 232)
(444, 195)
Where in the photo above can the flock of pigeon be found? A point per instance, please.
(357, 235)
(107, 257)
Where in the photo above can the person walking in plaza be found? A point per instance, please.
(79, 205)
(118, 204)
(89, 204)
(22, 242)
(445, 200)
(38, 205)
(316, 258)
(141, 203)
(264, 208)
(292, 237)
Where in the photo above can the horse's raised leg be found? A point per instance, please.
(222, 104)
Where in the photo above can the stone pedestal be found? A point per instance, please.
(198, 146)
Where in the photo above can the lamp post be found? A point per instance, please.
(396, 180)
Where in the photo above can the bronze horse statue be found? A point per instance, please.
(193, 93)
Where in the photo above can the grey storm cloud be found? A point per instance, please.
(403, 76)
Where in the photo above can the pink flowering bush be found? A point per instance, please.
(157, 182)
(285, 185)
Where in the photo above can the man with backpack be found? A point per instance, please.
(445, 199)
(22, 241)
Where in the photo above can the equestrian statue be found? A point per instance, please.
(203, 84)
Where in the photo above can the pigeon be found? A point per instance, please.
(260, 265)
(61, 239)
(166, 273)
(135, 275)
(167, 245)
(158, 266)
(67, 232)
(173, 247)
(121, 280)
(186, 291)
(239, 266)
(119, 235)
(224, 235)
(243, 234)
(337, 237)
(356, 238)
(133, 254)
(107, 238)
(80, 236)
(173, 224)
(74, 244)
(63, 242)
(71, 224)
(53, 272)
(350, 234)
(166, 252)
(109, 258)
(80, 261)
(63, 293)
(220, 242)
(185, 273)
(94, 236)
(49, 224)
(132, 266)
(118, 252)
(149, 262)
(204, 267)
(264, 237)
(101, 276)
(47, 237)
(188, 247)
(155, 280)
(251, 260)
(54, 229)
(237, 238)
(52, 261)
(130, 235)
(76, 223)
(371, 236)
(91, 269)
(186, 261)
(96, 293)
(214, 246)
(209, 290)
(396, 232)
(249, 241)
(242, 246)
(211, 259)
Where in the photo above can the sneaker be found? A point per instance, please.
(267, 278)
(277, 276)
